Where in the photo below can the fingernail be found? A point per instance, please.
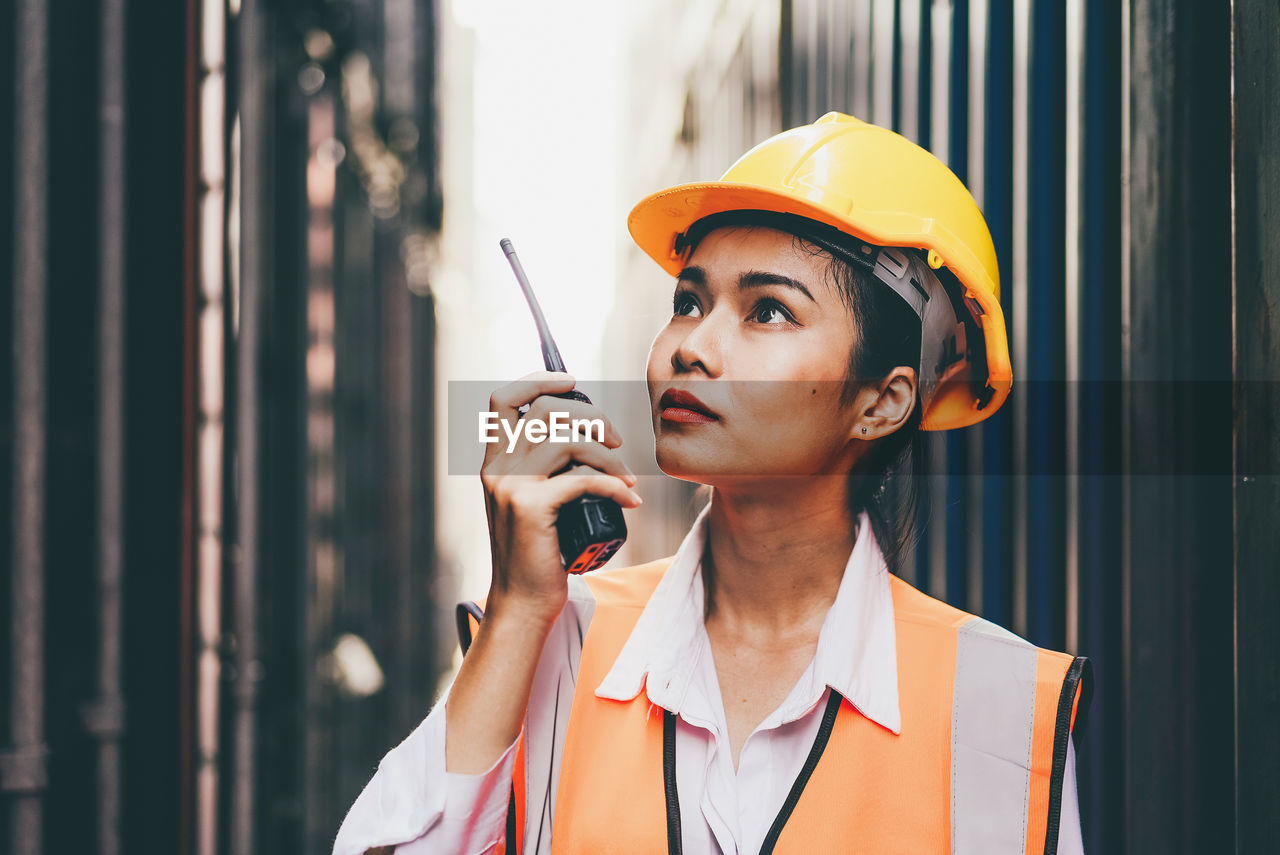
(636, 496)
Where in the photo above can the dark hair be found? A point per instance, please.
(887, 331)
(888, 335)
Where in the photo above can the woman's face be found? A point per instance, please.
(761, 339)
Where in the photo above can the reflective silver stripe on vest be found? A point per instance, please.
(992, 720)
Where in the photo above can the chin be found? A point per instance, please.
(678, 463)
(713, 467)
(695, 462)
(689, 459)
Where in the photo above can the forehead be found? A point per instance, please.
(728, 252)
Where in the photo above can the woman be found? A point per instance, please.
(771, 687)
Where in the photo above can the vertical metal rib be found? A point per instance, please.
(214, 254)
(253, 202)
(946, 90)
(940, 82)
(931, 34)
(189, 567)
(977, 48)
(1074, 172)
(910, 51)
(105, 718)
(1018, 327)
(317, 784)
(25, 777)
(882, 49)
(1128, 718)
(838, 45)
(860, 61)
(816, 69)
(976, 498)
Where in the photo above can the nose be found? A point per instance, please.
(701, 349)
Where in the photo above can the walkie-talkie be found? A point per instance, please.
(591, 528)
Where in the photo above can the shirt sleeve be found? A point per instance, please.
(412, 803)
(1070, 840)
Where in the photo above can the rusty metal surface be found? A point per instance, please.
(255, 223)
(105, 717)
(30, 274)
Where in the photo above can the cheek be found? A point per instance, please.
(819, 353)
(798, 413)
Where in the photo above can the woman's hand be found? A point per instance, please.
(486, 704)
(523, 500)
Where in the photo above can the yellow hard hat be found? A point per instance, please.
(881, 188)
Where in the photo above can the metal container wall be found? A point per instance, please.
(216, 417)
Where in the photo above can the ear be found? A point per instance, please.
(888, 404)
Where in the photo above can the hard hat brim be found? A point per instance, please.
(659, 219)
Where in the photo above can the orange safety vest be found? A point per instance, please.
(977, 767)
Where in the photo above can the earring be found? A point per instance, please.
(864, 429)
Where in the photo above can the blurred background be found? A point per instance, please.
(246, 245)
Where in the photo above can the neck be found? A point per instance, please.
(775, 556)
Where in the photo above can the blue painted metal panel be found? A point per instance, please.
(1045, 370)
(1099, 428)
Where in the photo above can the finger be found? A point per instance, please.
(506, 400)
(562, 489)
(582, 412)
(549, 457)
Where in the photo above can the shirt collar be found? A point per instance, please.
(857, 646)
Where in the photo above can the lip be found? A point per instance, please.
(677, 405)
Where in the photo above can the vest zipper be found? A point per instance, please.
(669, 782)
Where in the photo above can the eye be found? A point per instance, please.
(770, 311)
(686, 304)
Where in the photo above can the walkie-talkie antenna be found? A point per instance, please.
(590, 528)
(550, 354)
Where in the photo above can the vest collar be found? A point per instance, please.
(857, 647)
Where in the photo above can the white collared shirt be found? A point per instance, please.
(413, 802)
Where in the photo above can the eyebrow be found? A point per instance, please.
(695, 275)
